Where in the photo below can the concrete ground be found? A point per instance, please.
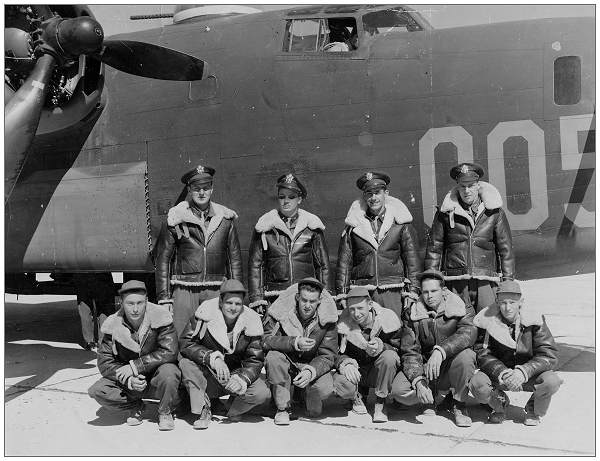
(48, 411)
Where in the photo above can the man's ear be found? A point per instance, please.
(297, 296)
(387, 192)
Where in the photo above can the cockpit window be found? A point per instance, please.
(318, 35)
(389, 21)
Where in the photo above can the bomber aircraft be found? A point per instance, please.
(98, 134)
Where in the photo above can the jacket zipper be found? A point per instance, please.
(290, 261)
(204, 274)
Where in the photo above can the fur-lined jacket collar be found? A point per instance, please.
(452, 305)
(272, 220)
(155, 317)
(181, 213)
(490, 199)
(209, 317)
(490, 319)
(283, 310)
(395, 212)
(385, 321)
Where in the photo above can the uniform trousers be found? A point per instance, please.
(479, 293)
(163, 385)
(455, 374)
(391, 298)
(202, 385)
(186, 300)
(543, 387)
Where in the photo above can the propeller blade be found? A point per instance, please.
(152, 61)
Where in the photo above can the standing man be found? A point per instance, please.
(301, 344)
(138, 358)
(470, 238)
(378, 249)
(197, 249)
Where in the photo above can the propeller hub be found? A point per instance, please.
(82, 35)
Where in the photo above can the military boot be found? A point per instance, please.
(498, 402)
(531, 419)
(459, 411)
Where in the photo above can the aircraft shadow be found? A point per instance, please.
(574, 358)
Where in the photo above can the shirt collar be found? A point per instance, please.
(370, 216)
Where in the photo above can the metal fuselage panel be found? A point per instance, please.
(410, 103)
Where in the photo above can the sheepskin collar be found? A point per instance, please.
(209, 317)
(385, 321)
(452, 305)
(155, 317)
(489, 195)
(272, 220)
(182, 213)
(395, 211)
(283, 310)
(490, 319)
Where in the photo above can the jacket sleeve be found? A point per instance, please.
(252, 362)
(464, 336)
(410, 353)
(545, 356)
(107, 362)
(435, 243)
(165, 246)
(504, 247)
(487, 362)
(327, 352)
(166, 351)
(273, 340)
(321, 258)
(344, 262)
(256, 269)
(234, 254)
(191, 348)
(410, 255)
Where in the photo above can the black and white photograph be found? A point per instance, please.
(299, 230)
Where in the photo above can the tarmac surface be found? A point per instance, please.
(48, 411)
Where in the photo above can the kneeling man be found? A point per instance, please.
(222, 354)
(301, 343)
(445, 331)
(518, 354)
(137, 358)
(375, 351)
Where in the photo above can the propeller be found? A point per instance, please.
(59, 41)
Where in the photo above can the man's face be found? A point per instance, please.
(375, 199)
(509, 307)
(307, 301)
(468, 190)
(289, 201)
(432, 292)
(134, 305)
(359, 309)
(201, 194)
(231, 305)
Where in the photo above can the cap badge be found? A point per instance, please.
(369, 176)
(200, 169)
(289, 178)
(464, 169)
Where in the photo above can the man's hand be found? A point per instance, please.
(221, 370)
(432, 367)
(374, 347)
(424, 394)
(236, 385)
(302, 379)
(123, 373)
(305, 344)
(138, 383)
(351, 373)
(514, 380)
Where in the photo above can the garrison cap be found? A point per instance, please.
(232, 286)
(132, 285)
(372, 180)
(467, 171)
(508, 289)
(358, 292)
(201, 174)
(312, 282)
(290, 181)
(431, 274)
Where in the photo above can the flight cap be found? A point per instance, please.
(467, 172)
(291, 182)
(358, 292)
(312, 282)
(431, 274)
(201, 175)
(372, 180)
(508, 289)
(232, 286)
(133, 285)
